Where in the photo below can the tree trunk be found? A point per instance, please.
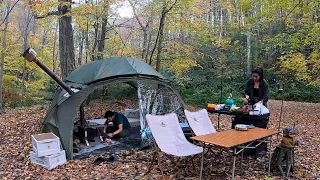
(25, 46)
(102, 39)
(148, 47)
(145, 44)
(87, 42)
(149, 37)
(145, 30)
(81, 48)
(4, 46)
(221, 24)
(161, 29)
(248, 52)
(66, 46)
(96, 31)
(164, 12)
(54, 50)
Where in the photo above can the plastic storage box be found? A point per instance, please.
(49, 161)
(45, 144)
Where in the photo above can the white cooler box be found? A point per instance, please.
(45, 144)
(49, 161)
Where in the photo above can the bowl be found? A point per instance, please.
(250, 126)
(241, 127)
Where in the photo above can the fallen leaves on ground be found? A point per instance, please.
(17, 126)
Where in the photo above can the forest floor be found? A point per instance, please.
(17, 126)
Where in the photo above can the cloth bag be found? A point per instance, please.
(288, 137)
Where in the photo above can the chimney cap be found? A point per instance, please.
(30, 55)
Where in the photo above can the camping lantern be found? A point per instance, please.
(280, 87)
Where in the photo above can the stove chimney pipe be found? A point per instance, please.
(31, 56)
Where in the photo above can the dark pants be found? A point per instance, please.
(122, 134)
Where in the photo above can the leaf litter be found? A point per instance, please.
(17, 126)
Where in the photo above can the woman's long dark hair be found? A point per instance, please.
(259, 71)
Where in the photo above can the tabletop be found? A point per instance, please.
(231, 138)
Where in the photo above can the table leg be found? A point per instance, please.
(241, 160)
(218, 121)
(201, 168)
(234, 162)
(269, 165)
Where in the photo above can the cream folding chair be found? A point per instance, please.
(169, 138)
(201, 124)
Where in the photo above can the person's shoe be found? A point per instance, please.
(99, 160)
(113, 158)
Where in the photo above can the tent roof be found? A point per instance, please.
(111, 67)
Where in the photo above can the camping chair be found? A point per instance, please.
(169, 138)
(201, 124)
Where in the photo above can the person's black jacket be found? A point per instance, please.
(263, 91)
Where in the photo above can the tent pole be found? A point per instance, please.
(82, 120)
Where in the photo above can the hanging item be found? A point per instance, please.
(289, 135)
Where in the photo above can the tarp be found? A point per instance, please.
(62, 112)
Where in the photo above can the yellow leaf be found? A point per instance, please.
(300, 150)
(300, 171)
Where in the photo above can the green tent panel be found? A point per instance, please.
(102, 69)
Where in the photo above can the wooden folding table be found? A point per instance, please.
(236, 139)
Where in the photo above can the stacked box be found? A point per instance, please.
(46, 150)
(49, 161)
(45, 144)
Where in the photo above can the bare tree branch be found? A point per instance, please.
(285, 18)
(163, 14)
(46, 15)
(117, 34)
(169, 9)
(9, 12)
(136, 15)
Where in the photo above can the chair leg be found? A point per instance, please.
(224, 157)
(201, 167)
(174, 162)
(292, 167)
(193, 164)
(241, 161)
(160, 166)
(152, 161)
(175, 174)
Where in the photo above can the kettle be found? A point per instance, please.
(229, 101)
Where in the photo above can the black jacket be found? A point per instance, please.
(263, 91)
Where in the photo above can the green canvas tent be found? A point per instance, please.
(155, 94)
